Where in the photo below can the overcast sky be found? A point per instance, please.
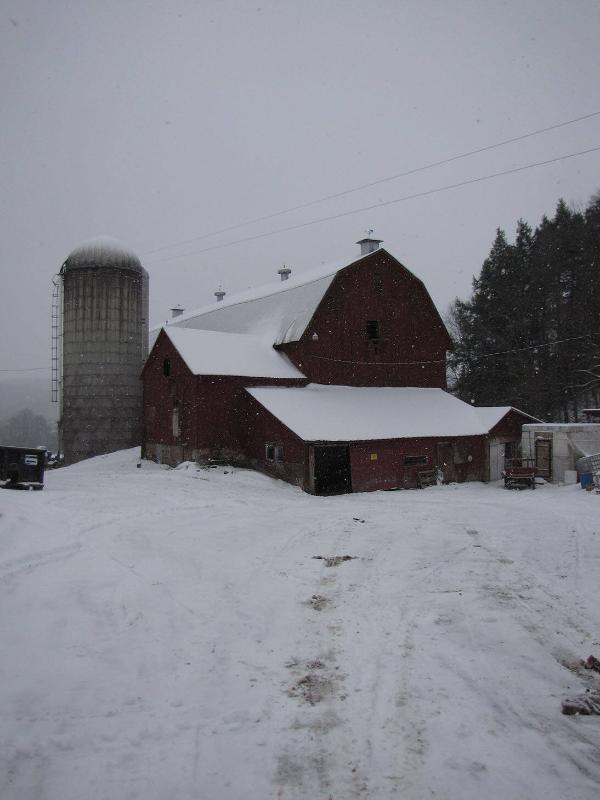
(160, 123)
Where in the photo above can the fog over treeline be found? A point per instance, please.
(27, 414)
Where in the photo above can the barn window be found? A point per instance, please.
(372, 329)
(274, 452)
(413, 461)
(175, 420)
(378, 283)
(166, 367)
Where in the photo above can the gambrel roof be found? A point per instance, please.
(278, 312)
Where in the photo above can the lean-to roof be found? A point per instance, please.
(345, 414)
(217, 353)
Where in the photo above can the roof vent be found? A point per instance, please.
(219, 294)
(369, 245)
(284, 272)
(177, 311)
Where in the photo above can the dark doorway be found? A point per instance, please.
(332, 470)
(445, 457)
(543, 458)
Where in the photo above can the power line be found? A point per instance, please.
(378, 182)
(31, 369)
(382, 204)
(407, 363)
(534, 347)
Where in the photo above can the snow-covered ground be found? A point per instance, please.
(169, 634)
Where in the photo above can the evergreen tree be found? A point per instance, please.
(529, 335)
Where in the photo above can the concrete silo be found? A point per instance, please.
(100, 342)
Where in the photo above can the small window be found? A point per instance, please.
(372, 329)
(274, 452)
(378, 283)
(166, 367)
(413, 461)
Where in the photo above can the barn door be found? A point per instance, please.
(497, 452)
(543, 458)
(445, 459)
(332, 470)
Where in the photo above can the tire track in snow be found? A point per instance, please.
(29, 563)
(377, 729)
(310, 763)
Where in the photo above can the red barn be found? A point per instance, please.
(334, 381)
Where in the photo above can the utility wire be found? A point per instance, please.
(31, 369)
(407, 363)
(382, 204)
(476, 356)
(378, 182)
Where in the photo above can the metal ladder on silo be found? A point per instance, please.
(55, 330)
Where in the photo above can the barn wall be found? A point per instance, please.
(160, 394)
(510, 427)
(214, 418)
(262, 428)
(507, 431)
(388, 471)
(409, 329)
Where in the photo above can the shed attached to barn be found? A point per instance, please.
(504, 425)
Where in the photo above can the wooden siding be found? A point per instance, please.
(380, 465)
(508, 430)
(160, 395)
(510, 427)
(261, 428)
(409, 330)
(219, 420)
(215, 419)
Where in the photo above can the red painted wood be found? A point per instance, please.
(509, 428)
(215, 417)
(411, 332)
(387, 470)
(220, 420)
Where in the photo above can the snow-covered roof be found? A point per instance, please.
(278, 312)
(103, 251)
(491, 415)
(216, 353)
(344, 413)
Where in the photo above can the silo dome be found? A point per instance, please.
(104, 343)
(103, 251)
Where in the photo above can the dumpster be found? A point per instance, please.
(22, 467)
